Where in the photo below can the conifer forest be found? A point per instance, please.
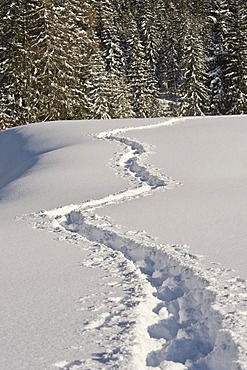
(99, 59)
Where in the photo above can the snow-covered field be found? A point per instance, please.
(123, 245)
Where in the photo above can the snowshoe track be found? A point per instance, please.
(193, 325)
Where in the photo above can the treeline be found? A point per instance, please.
(85, 59)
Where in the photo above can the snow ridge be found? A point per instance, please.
(189, 323)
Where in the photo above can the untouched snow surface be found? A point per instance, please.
(96, 292)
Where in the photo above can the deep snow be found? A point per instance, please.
(94, 295)
(208, 212)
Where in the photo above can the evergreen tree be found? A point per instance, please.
(142, 84)
(108, 29)
(149, 28)
(15, 63)
(171, 32)
(194, 91)
(236, 63)
(84, 46)
(218, 54)
(58, 70)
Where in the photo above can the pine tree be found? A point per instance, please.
(98, 91)
(142, 83)
(218, 54)
(171, 33)
(149, 27)
(172, 46)
(236, 63)
(84, 44)
(15, 63)
(194, 92)
(59, 68)
(109, 31)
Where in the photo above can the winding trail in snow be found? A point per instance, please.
(181, 317)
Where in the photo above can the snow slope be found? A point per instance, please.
(96, 295)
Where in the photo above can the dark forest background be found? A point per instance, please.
(94, 59)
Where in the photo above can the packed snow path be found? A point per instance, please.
(175, 316)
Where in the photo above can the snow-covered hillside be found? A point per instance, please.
(123, 245)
